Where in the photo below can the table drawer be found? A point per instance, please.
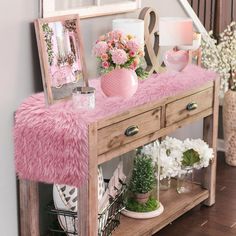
(126, 131)
(188, 106)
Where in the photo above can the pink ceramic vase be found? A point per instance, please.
(119, 83)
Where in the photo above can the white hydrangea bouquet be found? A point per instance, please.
(175, 157)
(196, 154)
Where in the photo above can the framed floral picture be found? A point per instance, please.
(61, 56)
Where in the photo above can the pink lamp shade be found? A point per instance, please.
(175, 31)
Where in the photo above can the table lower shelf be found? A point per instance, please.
(174, 206)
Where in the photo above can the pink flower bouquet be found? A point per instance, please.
(115, 50)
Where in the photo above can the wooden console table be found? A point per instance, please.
(107, 140)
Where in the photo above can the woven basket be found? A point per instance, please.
(229, 124)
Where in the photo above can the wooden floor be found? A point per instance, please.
(218, 220)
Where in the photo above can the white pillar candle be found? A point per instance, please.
(67, 42)
(130, 26)
(60, 38)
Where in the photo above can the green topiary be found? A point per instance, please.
(143, 175)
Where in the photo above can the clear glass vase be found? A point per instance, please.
(185, 180)
(165, 183)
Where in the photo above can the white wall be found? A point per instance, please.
(18, 73)
(20, 77)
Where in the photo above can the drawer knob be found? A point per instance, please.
(191, 106)
(132, 130)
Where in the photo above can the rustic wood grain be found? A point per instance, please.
(149, 106)
(151, 137)
(176, 111)
(172, 210)
(210, 130)
(151, 38)
(114, 136)
(175, 205)
(88, 212)
(29, 208)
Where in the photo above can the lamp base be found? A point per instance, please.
(176, 60)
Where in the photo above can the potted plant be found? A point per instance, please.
(143, 178)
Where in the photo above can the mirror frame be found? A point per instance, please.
(44, 57)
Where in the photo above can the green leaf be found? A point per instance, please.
(190, 157)
(141, 73)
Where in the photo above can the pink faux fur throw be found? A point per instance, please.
(51, 143)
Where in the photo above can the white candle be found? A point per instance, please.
(67, 43)
(130, 26)
(60, 38)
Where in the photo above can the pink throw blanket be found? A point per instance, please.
(51, 143)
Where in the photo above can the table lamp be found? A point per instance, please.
(175, 31)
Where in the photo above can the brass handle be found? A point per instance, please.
(131, 131)
(191, 106)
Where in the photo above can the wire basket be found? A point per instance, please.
(108, 220)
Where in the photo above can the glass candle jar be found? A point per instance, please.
(84, 97)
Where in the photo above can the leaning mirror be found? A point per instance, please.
(61, 56)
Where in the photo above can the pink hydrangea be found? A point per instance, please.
(133, 45)
(100, 48)
(119, 56)
(115, 35)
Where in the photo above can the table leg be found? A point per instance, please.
(210, 131)
(29, 208)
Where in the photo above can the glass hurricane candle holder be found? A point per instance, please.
(84, 97)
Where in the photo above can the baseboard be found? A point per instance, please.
(220, 145)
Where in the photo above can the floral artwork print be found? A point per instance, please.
(48, 33)
(63, 55)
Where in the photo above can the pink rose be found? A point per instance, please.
(132, 53)
(105, 64)
(104, 57)
(100, 48)
(137, 60)
(134, 65)
(119, 56)
(141, 53)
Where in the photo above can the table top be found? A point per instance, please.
(51, 142)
